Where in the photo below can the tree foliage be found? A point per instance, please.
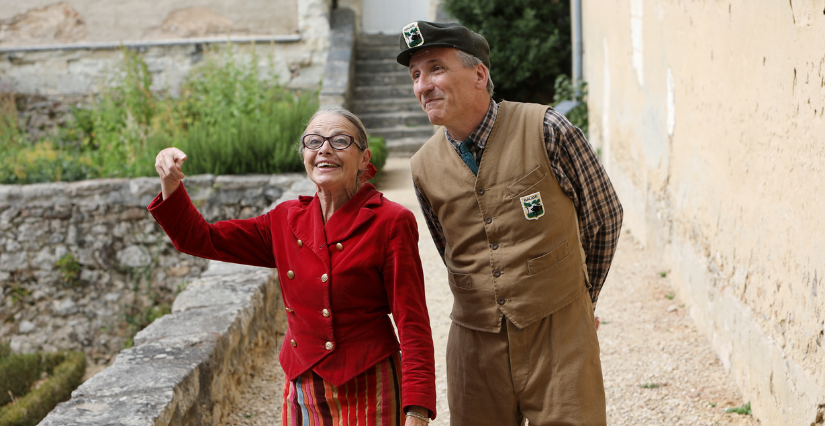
(529, 43)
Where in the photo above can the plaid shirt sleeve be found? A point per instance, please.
(432, 222)
(584, 180)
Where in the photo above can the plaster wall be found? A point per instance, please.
(123, 20)
(709, 117)
(72, 67)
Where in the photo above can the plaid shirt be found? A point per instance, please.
(581, 176)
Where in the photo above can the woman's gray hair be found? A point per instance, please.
(470, 61)
(360, 135)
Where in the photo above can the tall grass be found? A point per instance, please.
(230, 118)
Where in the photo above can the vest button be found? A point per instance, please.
(500, 301)
(289, 310)
(497, 274)
(488, 220)
(290, 274)
(325, 313)
(324, 278)
(328, 346)
(339, 246)
(300, 243)
(480, 191)
(494, 246)
(292, 342)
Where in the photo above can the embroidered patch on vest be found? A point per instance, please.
(413, 35)
(532, 206)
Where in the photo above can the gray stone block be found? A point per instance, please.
(134, 256)
(14, 261)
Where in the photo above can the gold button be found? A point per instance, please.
(290, 274)
(288, 309)
(294, 345)
(339, 246)
(300, 244)
(324, 278)
(328, 346)
(325, 312)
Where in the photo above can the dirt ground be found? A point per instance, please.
(658, 369)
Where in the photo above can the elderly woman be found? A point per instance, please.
(347, 258)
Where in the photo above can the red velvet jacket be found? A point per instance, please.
(339, 281)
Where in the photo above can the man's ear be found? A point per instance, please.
(481, 77)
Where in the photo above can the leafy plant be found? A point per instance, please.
(66, 370)
(69, 269)
(565, 90)
(229, 116)
(744, 409)
(670, 296)
(649, 385)
(529, 43)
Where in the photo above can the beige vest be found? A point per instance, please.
(512, 244)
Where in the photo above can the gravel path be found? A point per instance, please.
(658, 369)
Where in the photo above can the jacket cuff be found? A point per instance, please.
(428, 402)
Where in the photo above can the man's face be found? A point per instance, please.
(442, 85)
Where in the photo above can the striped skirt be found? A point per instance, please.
(371, 399)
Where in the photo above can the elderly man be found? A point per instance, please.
(527, 222)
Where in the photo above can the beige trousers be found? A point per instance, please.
(548, 372)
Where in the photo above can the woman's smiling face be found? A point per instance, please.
(331, 169)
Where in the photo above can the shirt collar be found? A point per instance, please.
(482, 132)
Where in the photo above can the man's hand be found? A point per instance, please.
(168, 165)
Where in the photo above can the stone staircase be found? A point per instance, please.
(384, 99)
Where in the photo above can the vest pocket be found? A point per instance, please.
(462, 281)
(548, 260)
(526, 183)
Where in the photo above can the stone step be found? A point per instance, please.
(403, 132)
(404, 147)
(379, 65)
(385, 105)
(377, 52)
(390, 40)
(404, 91)
(375, 79)
(394, 119)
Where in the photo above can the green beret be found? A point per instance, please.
(423, 34)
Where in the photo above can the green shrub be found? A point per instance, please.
(66, 374)
(378, 149)
(229, 116)
(529, 43)
(5, 349)
(17, 374)
(564, 90)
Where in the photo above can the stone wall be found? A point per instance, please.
(709, 116)
(189, 367)
(126, 264)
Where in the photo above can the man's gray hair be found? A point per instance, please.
(470, 61)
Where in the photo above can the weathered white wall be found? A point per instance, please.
(27, 22)
(709, 117)
(359, 5)
(298, 64)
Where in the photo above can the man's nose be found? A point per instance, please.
(423, 85)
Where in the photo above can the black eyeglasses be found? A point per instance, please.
(339, 142)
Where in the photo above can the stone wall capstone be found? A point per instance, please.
(123, 271)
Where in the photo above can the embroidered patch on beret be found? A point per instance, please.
(413, 35)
